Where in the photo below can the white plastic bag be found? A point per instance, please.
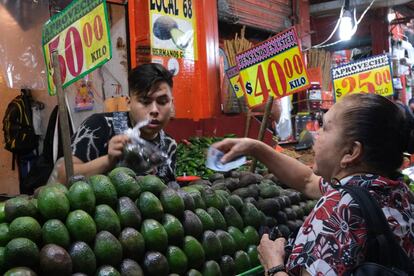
(140, 155)
(284, 126)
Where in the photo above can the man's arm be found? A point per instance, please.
(98, 165)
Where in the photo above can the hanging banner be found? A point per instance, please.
(234, 77)
(274, 67)
(80, 35)
(370, 75)
(173, 29)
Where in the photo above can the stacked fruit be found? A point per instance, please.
(284, 208)
(122, 223)
(129, 225)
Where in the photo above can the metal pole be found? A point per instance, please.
(248, 119)
(63, 117)
(263, 126)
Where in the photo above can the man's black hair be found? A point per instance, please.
(144, 77)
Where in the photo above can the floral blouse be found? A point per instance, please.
(332, 238)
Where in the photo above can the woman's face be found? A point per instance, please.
(329, 144)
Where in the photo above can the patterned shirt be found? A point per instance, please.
(92, 137)
(332, 238)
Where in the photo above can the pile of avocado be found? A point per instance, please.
(282, 207)
(122, 224)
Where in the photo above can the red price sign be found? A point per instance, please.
(371, 75)
(274, 67)
(80, 35)
(236, 81)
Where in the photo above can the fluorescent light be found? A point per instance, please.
(346, 26)
(391, 15)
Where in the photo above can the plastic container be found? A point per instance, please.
(327, 100)
(315, 96)
(184, 180)
(301, 120)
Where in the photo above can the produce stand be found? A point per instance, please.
(205, 222)
(232, 206)
(125, 222)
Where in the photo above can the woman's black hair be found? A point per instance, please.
(144, 77)
(380, 126)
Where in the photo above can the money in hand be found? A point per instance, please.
(213, 161)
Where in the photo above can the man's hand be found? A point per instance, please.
(235, 147)
(271, 253)
(115, 147)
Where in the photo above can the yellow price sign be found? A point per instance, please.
(235, 81)
(80, 35)
(274, 67)
(371, 75)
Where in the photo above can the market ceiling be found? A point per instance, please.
(25, 12)
(326, 8)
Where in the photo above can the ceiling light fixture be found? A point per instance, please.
(391, 15)
(346, 26)
(354, 21)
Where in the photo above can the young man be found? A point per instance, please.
(98, 143)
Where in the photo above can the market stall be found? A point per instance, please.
(267, 70)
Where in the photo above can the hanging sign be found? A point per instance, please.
(173, 29)
(274, 67)
(370, 75)
(80, 35)
(235, 80)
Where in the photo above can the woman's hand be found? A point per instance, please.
(235, 147)
(271, 253)
(115, 147)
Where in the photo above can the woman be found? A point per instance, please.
(361, 143)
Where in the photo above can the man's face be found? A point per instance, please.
(156, 107)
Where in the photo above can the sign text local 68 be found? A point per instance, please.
(370, 75)
(80, 34)
(274, 67)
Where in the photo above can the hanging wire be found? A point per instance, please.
(322, 45)
(334, 30)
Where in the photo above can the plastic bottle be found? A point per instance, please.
(315, 96)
